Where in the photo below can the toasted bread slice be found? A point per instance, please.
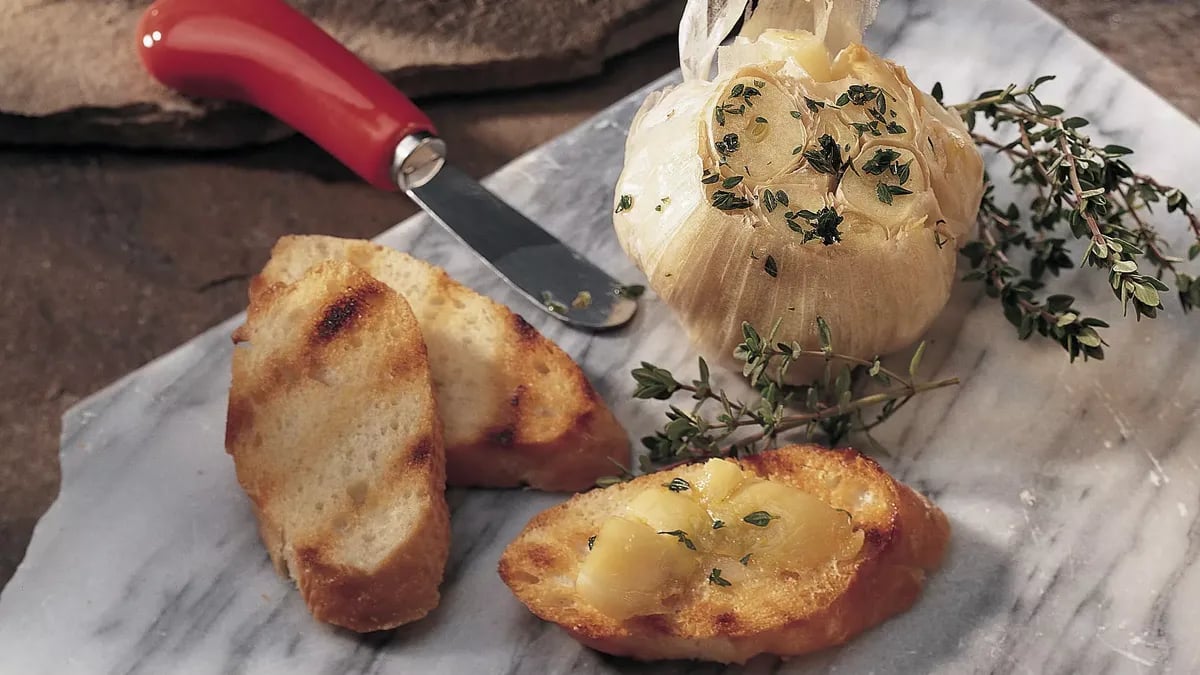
(334, 433)
(517, 410)
(896, 536)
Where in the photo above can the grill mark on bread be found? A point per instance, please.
(239, 419)
(508, 434)
(875, 538)
(409, 361)
(657, 624)
(540, 557)
(726, 622)
(525, 331)
(504, 437)
(342, 314)
(421, 454)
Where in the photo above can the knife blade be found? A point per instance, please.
(531, 260)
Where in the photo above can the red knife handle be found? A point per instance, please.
(265, 53)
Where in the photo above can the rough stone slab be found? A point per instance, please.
(69, 72)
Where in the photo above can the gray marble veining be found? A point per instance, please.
(1073, 490)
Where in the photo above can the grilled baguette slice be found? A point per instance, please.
(334, 433)
(517, 410)
(787, 614)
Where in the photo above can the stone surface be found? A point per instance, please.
(1073, 490)
(69, 73)
(1153, 39)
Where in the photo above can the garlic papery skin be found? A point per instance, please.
(732, 208)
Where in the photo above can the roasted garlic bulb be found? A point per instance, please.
(809, 178)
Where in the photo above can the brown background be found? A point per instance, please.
(110, 258)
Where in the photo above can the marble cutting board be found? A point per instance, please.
(1073, 490)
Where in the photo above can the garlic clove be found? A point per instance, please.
(888, 186)
(752, 130)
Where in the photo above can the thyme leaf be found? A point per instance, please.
(678, 485)
(682, 537)
(715, 577)
(826, 157)
(759, 518)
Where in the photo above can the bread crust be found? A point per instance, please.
(536, 420)
(289, 413)
(905, 538)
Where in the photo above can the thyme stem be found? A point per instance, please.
(906, 392)
(1073, 171)
(825, 409)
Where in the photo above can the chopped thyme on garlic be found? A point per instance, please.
(886, 192)
(714, 577)
(827, 158)
(624, 203)
(771, 266)
(867, 127)
(772, 199)
(823, 224)
(746, 93)
(678, 485)
(727, 109)
(682, 537)
(759, 518)
(880, 161)
(728, 201)
(728, 145)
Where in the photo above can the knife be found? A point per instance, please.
(265, 53)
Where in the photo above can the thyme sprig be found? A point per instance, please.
(1080, 191)
(825, 410)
